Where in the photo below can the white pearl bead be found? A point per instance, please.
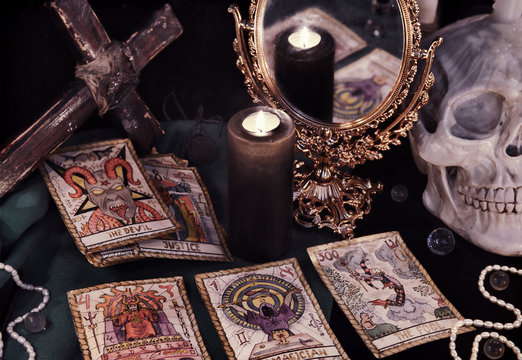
(494, 335)
(510, 306)
(452, 346)
(517, 312)
(478, 322)
(493, 299)
(505, 268)
(517, 323)
(468, 322)
(489, 268)
(496, 267)
(453, 353)
(488, 324)
(509, 326)
(513, 269)
(498, 326)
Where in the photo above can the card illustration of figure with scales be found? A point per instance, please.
(267, 312)
(383, 290)
(147, 319)
(104, 196)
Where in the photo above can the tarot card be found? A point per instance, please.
(384, 291)
(363, 85)
(104, 195)
(346, 41)
(182, 189)
(146, 319)
(268, 312)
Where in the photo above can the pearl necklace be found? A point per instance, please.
(489, 324)
(10, 327)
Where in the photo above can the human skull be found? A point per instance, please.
(469, 137)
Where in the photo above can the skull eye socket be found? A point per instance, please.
(97, 191)
(476, 115)
(117, 187)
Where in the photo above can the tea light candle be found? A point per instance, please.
(260, 172)
(304, 70)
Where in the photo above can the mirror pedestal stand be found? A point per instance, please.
(328, 197)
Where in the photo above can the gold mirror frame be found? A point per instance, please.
(327, 196)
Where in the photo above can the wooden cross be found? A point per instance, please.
(19, 157)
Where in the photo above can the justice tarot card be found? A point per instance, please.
(104, 195)
(147, 319)
(363, 85)
(346, 41)
(268, 312)
(384, 291)
(183, 191)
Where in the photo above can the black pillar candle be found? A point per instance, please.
(304, 70)
(260, 172)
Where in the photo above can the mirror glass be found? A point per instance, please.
(333, 61)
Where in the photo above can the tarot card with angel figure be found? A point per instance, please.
(183, 191)
(383, 290)
(267, 312)
(146, 319)
(104, 195)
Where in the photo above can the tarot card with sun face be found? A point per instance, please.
(383, 290)
(147, 319)
(268, 312)
(363, 85)
(183, 191)
(104, 196)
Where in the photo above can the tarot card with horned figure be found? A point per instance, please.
(148, 319)
(386, 294)
(104, 195)
(268, 312)
(184, 193)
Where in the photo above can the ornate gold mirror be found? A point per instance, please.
(352, 75)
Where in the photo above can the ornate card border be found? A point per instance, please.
(213, 314)
(68, 222)
(397, 348)
(76, 314)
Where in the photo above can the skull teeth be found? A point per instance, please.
(507, 200)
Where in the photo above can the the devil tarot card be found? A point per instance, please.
(183, 191)
(104, 196)
(384, 291)
(147, 319)
(268, 312)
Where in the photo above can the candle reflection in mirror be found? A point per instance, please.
(304, 70)
(260, 171)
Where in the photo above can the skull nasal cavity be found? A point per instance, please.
(515, 148)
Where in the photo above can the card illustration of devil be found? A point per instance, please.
(383, 290)
(104, 195)
(186, 197)
(267, 312)
(147, 319)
